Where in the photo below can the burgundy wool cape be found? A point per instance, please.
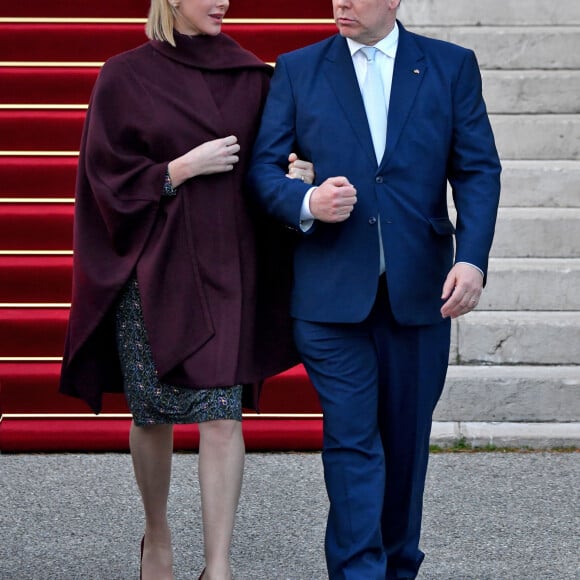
(214, 283)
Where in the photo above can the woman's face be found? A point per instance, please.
(195, 17)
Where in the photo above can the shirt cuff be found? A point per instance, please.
(473, 266)
(306, 217)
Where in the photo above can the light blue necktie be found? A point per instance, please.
(373, 93)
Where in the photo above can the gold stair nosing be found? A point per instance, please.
(41, 107)
(39, 153)
(49, 64)
(30, 359)
(37, 200)
(36, 252)
(33, 305)
(58, 64)
(82, 20)
(94, 417)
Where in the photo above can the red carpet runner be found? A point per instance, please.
(50, 54)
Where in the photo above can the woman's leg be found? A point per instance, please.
(152, 451)
(221, 465)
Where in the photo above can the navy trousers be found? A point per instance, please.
(378, 384)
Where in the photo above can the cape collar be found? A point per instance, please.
(219, 52)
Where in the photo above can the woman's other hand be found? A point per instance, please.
(298, 169)
(217, 156)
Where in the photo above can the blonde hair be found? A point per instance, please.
(160, 21)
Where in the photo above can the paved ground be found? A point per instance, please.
(488, 516)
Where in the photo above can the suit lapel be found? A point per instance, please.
(339, 71)
(409, 71)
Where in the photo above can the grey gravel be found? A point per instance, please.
(488, 516)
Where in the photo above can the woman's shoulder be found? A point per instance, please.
(119, 77)
(136, 57)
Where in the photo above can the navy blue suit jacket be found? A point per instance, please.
(438, 130)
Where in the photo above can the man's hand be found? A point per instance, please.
(461, 291)
(333, 200)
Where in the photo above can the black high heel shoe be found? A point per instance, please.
(141, 560)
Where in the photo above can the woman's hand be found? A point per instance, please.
(217, 156)
(298, 169)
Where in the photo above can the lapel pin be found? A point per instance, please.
(416, 71)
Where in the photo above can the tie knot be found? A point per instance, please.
(370, 52)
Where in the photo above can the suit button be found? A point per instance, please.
(378, 179)
(372, 220)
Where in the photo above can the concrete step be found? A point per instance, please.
(516, 338)
(518, 91)
(537, 233)
(510, 393)
(532, 284)
(530, 435)
(490, 13)
(532, 91)
(421, 12)
(514, 47)
(537, 137)
(531, 183)
(497, 48)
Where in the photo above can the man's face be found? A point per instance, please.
(366, 21)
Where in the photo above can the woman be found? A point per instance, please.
(167, 291)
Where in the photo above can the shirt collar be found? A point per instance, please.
(387, 45)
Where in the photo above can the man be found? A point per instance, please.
(376, 278)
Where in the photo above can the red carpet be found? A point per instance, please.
(32, 388)
(35, 85)
(36, 226)
(47, 71)
(41, 130)
(35, 279)
(32, 332)
(105, 434)
(68, 42)
(42, 420)
(138, 9)
(37, 177)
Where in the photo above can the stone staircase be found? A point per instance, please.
(515, 377)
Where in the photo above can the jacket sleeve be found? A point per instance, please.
(278, 195)
(474, 168)
(115, 163)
